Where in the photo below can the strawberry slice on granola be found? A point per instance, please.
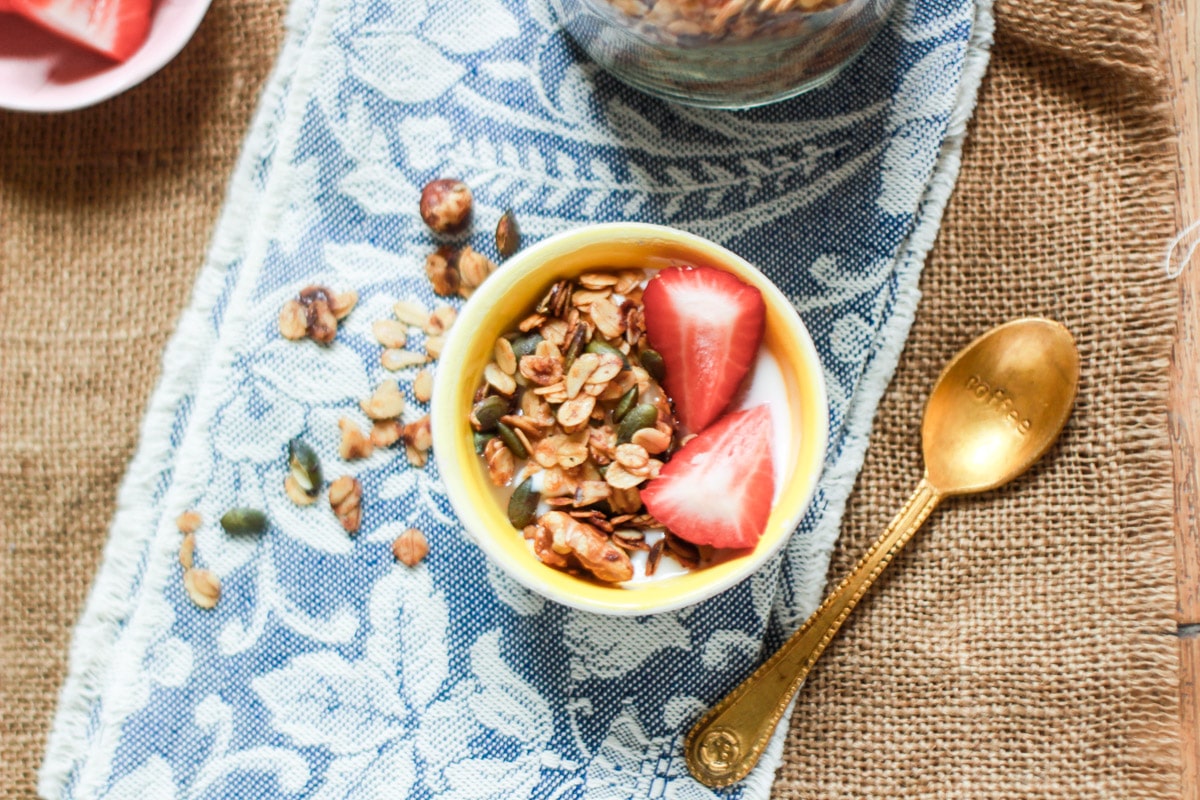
(707, 325)
(717, 489)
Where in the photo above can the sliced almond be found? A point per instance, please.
(607, 368)
(343, 303)
(632, 457)
(410, 312)
(598, 280)
(506, 359)
(575, 412)
(579, 373)
(393, 359)
(293, 322)
(390, 332)
(202, 586)
(188, 522)
(386, 403)
(589, 492)
(584, 299)
(652, 440)
(340, 489)
(423, 386)
(434, 345)
(608, 318)
(499, 380)
(416, 458)
(419, 433)
(440, 320)
(573, 452)
(554, 332)
(500, 462)
(620, 478)
(354, 443)
(296, 493)
(545, 452)
(187, 549)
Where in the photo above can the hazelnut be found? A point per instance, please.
(446, 205)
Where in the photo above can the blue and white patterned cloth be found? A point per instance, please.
(328, 671)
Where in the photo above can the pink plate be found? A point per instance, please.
(41, 72)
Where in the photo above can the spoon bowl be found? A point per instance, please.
(999, 405)
(996, 408)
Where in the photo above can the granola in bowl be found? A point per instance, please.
(587, 468)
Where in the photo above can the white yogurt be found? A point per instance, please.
(765, 384)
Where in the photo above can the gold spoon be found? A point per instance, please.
(995, 410)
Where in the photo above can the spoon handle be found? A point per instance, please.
(727, 742)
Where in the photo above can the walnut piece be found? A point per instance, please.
(345, 498)
(354, 443)
(410, 547)
(315, 314)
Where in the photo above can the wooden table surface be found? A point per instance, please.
(1180, 29)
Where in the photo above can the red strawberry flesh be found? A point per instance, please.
(116, 28)
(718, 488)
(707, 325)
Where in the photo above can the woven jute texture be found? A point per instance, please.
(1021, 646)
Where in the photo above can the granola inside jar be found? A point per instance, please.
(723, 53)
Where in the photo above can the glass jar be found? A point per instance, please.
(723, 53)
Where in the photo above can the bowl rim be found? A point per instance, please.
(173, 25)
(447, 428)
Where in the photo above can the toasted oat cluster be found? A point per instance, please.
(571, 417)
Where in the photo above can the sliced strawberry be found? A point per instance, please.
(707, 325)
(115, 28)
(717, 489)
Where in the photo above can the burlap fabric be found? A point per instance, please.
(1021, 646)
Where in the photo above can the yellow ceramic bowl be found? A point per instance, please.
(507, 296)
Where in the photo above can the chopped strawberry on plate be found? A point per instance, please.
(717, 489)
(707, 325)
(116, 28)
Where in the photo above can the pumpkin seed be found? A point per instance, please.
(487, 413)
(601, 347)
(511, 440)
(526, 345)
(240, 521)
(522, 505)
(624, 404)
(643, 415)
(305, 466)
(652, 362)
(481, 440)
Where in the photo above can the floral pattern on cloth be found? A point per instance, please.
(329, 671)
